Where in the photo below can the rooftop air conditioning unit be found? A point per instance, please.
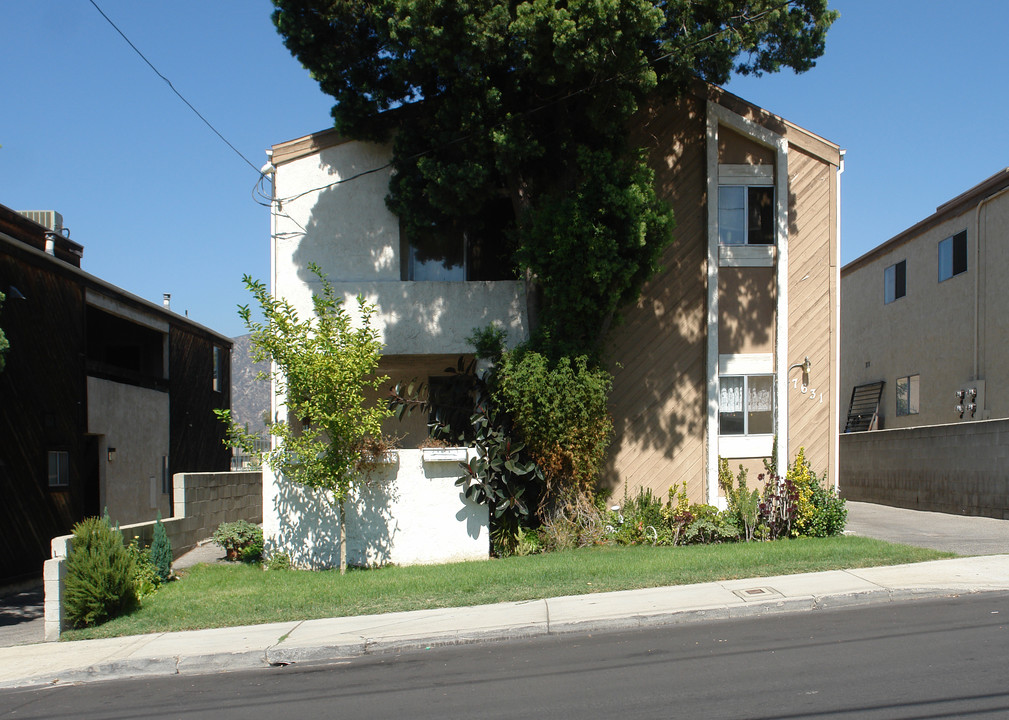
(46, 218)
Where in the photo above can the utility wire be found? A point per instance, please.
(169, 82)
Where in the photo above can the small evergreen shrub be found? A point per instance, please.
(161, 551)
(100, 574)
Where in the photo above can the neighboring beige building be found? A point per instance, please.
(924, 315)
(705, 363)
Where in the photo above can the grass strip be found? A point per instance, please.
(222, 595)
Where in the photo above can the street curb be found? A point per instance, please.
(279, 655)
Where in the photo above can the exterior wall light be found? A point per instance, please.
(112, 454)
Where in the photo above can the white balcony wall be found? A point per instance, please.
(329, 214)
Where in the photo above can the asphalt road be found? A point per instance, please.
(934, 659)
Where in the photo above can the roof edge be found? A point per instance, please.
(949, 209)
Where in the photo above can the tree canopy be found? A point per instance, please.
(530, 101)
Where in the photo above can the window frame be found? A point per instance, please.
(745, 412)
(913, 383)
(896, 288)
(954, 248)
(62, 474)
(745, 231)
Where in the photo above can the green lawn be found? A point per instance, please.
(209, 596)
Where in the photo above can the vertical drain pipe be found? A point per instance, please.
(977, 278)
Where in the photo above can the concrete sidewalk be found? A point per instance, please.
(260, 646)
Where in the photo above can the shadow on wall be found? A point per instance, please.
(309, 527)
(658, 353)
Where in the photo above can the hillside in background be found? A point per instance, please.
(250, 398)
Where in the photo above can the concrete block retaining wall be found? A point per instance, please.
(202, 502)
(960, 468)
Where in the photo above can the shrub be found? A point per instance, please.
(560, 411)
(100, 574)
(677, 514)
(236, 536)
(573, 524)
(146, 579)
(709, 525)
(777, 506)
(743, 504)
(829, 512)
(161, 551)
(639, 520)
(279, 561)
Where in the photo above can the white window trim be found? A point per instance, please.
(746, 446)
(718, 116)
(732, 447)
(746, 255)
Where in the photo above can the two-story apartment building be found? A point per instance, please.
(706, 363)
(923, 314)
(104, 395)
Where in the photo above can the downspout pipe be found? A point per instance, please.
(836, 364)
(977, 276)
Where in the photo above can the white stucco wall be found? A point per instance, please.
(349, 232)
(134, 421)
(409, 513)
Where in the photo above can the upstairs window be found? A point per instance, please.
(895, 282)
(745, 215)
(953, 256)
(477, 248)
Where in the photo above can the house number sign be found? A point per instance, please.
(810, 393)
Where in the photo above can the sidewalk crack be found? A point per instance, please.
(546, 605)
(280, 640)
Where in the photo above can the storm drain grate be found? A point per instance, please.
(757, 593)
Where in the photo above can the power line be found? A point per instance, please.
(169, 82)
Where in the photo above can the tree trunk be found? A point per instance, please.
(343, 537)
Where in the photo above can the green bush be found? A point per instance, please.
(100, 574)
(161, 551)
(279, 561)
(146, 579)
(743, 504)
(560, 412)
(236, 536)
(709, 525)
(639, 520)
(829, 512)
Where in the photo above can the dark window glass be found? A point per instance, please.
(760, 216)
(960, 253)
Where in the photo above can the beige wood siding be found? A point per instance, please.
(734, 149)
(811, 273)
(659, 395)
(746, 302)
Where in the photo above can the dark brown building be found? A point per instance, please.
(103, 398)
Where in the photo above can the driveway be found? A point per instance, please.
(960, 534)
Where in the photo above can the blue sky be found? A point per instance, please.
(914, 91)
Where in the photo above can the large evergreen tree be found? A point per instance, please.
(530, 100)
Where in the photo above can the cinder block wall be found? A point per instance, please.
(202, 502)
(961, 468)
